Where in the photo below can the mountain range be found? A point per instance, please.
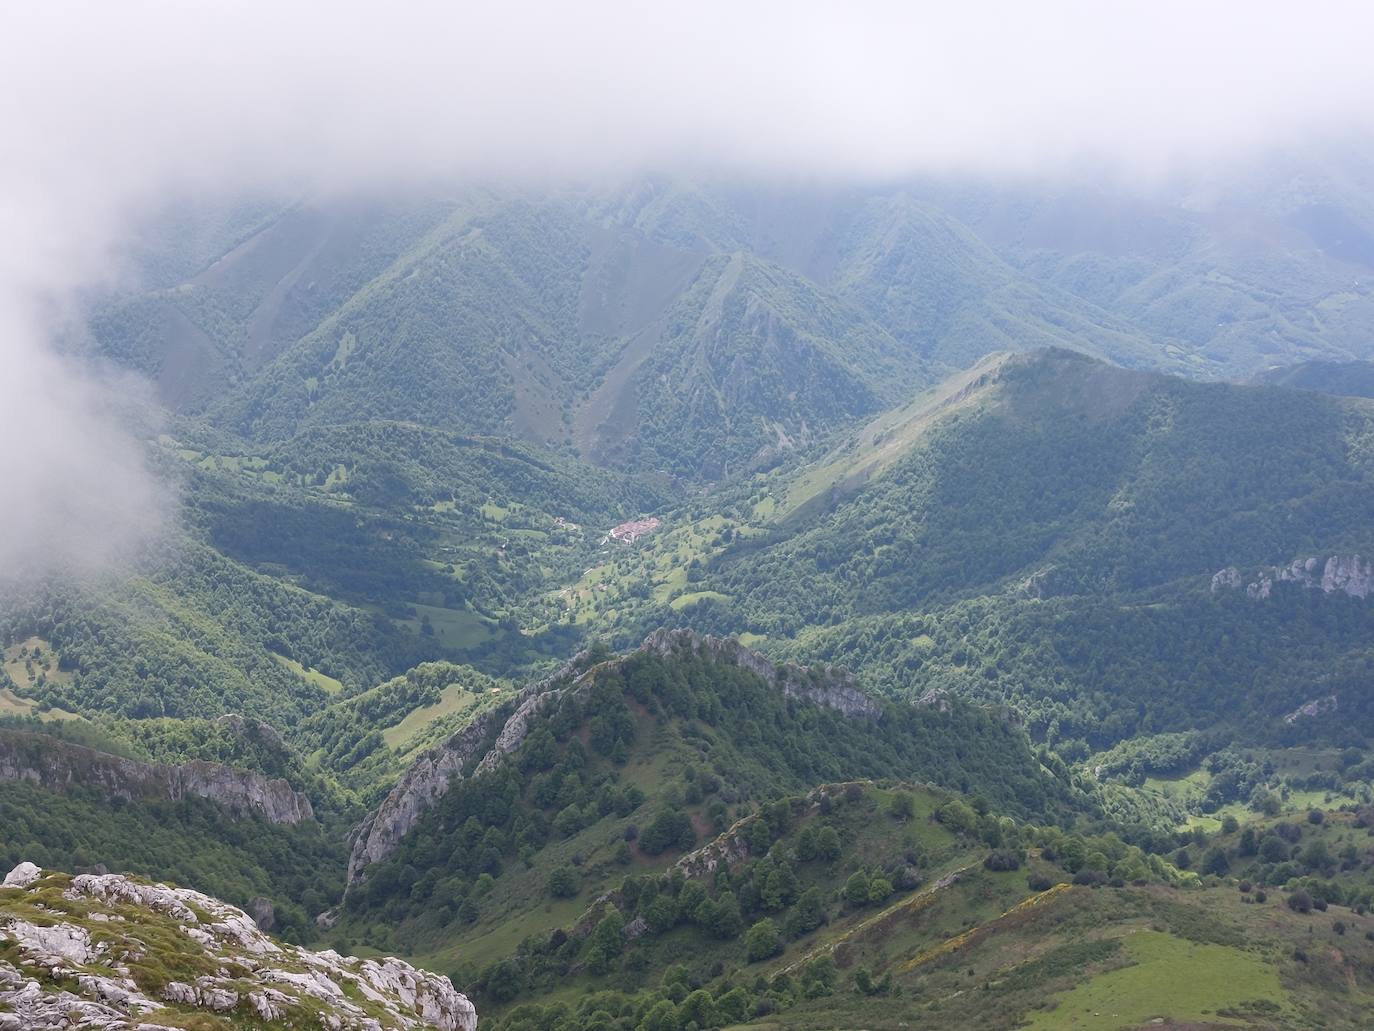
(691, 604)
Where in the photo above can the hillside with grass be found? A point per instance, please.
(886, 902)
(1049, 531)
(625, 736)
(681, 605)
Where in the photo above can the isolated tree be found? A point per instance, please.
(903, 806)
(1300, 901)
(563, 883)
(762, 941)
(733, 1006)
(809, 912)
(957, 816)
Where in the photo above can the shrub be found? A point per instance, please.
(903, 805)
(828, 845)
(856, 888)
(669, 829)
(563, 883)
(1002, 859)
(1300, 901)
(762, 941)
(957, 816)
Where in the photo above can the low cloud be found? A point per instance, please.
(110, 109)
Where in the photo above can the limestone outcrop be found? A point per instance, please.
(111, 952)
(60, 765)
(477, 746)
(1352, 575)
(830, 686)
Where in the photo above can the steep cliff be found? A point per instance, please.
(60, 765)
(482, 744)
(830, 686)
(1343, 574)
(118, 954)
(492, 735)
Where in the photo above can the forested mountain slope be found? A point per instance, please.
(1114, 552)
(1081, 478)
(605, 318)
(1232, 271)
(1348, 379)
(431, 451)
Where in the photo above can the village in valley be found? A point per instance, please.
(628, 533)
(644, 563)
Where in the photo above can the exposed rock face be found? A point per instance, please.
(429, 777)
(1311, 710)
(22, 876)
(1348, 574)
(1344, 574)
(57, 764)
(84, 961)
(260, 909)
(829, 686)
(255, 730)
(1227, 579)
(936, 698)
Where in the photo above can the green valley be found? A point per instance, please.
(669, 608)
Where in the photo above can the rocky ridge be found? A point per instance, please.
(59, 765)
(1345, 574)
(830, 686)
(427, 779)
(500, 731)
(114, 953)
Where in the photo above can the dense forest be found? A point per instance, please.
(1081, 644)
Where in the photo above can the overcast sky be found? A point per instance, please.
(106, 108)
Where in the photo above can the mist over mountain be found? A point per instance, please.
(678, 519)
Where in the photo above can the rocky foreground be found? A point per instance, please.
(110, 952)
